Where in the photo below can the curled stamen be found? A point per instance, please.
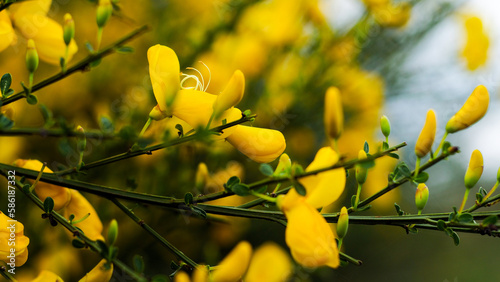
(188, 76)
(201, 76)
(209, 76)
(200, 81)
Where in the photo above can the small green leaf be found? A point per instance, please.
(490, 220)
(405, 170)
(61, 62)
(9, 92)
(5, 123)
(5, 83)
(241, 189)
(89, 47)
(266, 169)
(138, 262)
(224, 121)
(465, 218)
(78, 244)
(385, 146)
(188, 198)
(441, 225)
(32, 99)
(174, 265)
(71, 217)
(479, 197)
(231, 182)
(393, 155)
(95, 63)
(353, 200)
(104, 248)
(124, 50)
(366, 147)
(181, 130)
(421, 177)
(367, 165)
(48, 205)
(412, 230)
(106, 125)
(247, 113)
(299, 187)
(160, 278)
(399, 211)
(446, 146)
(456, 238)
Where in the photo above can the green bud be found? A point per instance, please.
(68, 29)
(343, 223)
(385, 126)
(475, 169)
(82, 141)
(104, 11)
(284, 165)
(498, 175)
(112, 232)
(31, 56)
(361, 172)
(421, 196)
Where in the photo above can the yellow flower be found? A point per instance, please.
(19, 245)
(80, 207)
(426, 137)
(181, 276)
(60, 195)
(100, 273)
(30, 18)
(164, 71)
(234, 265)
(308, 235)
(334, 115)
(6, 31)
(46, 275)
(261, 271)
(326, 187)
(475, 169)
(200, 274)
(231, 95)
(476, 47)
(472, 111)
(259, 144)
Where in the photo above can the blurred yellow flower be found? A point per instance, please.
(308, 235)
(259, 144)
(334, 115)
(30, 18)
(426, 137)
(261, 270)
(477, 43)
(19, 245)
(234, 265)
(60, 195)
(102, 272)
(80, 207)
(46, 276)
(472, 111)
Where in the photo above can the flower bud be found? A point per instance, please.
(259, 144)
(334, 115)
(475, 169)
(201, 176)
(68, 29)
(31, 56)
(361, 172)
(385, 126)
(82, 141)
(426, 137)
(112, 231)
(104, 11)
(284, 165)
(473, 110)
(421, 196)
(343, 223)
(231, 95)
(498, 174)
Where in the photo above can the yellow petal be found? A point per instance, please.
(472, 111)
(261, 270)
(48, 37)
(60, 195)
(259, 144)
(334, 115)
(181, 276)
(231, 95)
(326, 187)
(308, 235)
(474, 170)
(99, 273)
(477, 43)
(164, 71)
(426, 137)
(80, 207)
(234, 265)
(37, 8)
(6, 31)
(47, 276)
(22, 242)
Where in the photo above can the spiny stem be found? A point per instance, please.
(80, 66)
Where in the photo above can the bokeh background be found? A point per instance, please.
(397, 58)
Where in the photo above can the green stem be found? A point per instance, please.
(440, 145)
(6, 274)
(466, 195)
(417, 167)
(210, 120)
(99, 38)
(264, 197)
(491, 192)
(83, 65)
(30, 81)
(65, 62)
(350, 259)
(145, 127)
(58, 132)
(179, 254)
(277, 188)
(358, 193)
